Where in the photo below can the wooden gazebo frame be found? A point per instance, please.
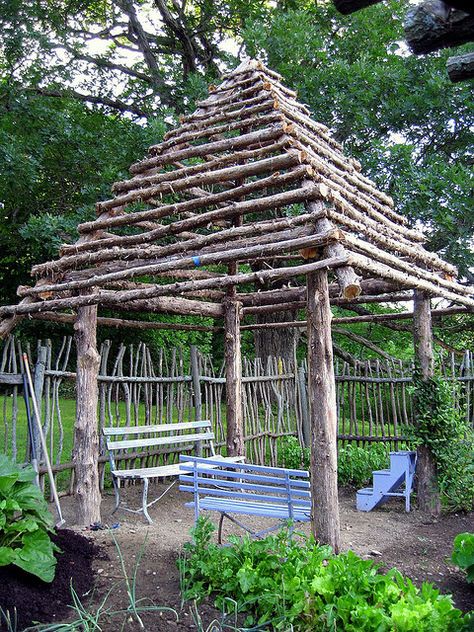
(248, 178)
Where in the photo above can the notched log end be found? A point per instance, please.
(352, 291)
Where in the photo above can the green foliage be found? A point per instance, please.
(25, 522)
(397, 113)
(292, 455)
(444, 430)
(463, 553)
(284, 584)
(355, 464)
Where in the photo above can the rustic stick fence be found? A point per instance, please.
(138, 385)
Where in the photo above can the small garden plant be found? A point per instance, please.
(355, 464)
(283, 584)
(25, 522)
(463, 554)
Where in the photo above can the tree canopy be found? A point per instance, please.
(87, 85)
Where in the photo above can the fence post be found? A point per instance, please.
(304, 408)
(38, 385)
(196, 392)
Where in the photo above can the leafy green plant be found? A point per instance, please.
(284, 584)
(355, 464)
(292, 455)
(463, 553)
(25, 522)
(444, 430)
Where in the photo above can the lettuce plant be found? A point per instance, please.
(25, 522)
(463, 553)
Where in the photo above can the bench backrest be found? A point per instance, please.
(120, 440)
(245, 481)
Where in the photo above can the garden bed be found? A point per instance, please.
(418, 547)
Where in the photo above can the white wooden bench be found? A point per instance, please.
(244, 488)
(169, 437)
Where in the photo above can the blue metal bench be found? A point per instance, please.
(167, 437)
(244, 488)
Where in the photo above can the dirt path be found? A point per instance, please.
(418, 547)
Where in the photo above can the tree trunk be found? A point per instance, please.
(279, 343)
(323, 412)
(86, 440)
(428, 490)
(233, 372)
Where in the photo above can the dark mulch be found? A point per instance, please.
(37, 601)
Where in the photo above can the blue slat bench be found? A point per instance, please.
(244, 488)
(170, 437)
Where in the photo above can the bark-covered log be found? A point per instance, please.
(265, 165)
(76, 261)
(290, 242)
(407, 279)
(461, 68)
(233, 367)
(323, 413)
(428, 489)
(433, 25)
(237, 208)
(104, 321)
(348, 280)
(198, 151)
(172, 289)
(375, 235)
(86, 440)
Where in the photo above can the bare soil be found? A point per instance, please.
(417, 546)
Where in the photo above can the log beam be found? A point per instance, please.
(86, 440)
(428, 490)
(323, 413)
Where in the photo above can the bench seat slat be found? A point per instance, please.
(162, 470)
(227, 486)
(133, 430)
(246, 476)
(148, 442)
(250, 467)
(231, 495)
(274, 511)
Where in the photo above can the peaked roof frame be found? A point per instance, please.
(217, 191)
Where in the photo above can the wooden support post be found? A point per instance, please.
(196, 392)
(428, 491)
(38, 385)
(323, 412)
(306, 429)
(86, 441)
(233, 367)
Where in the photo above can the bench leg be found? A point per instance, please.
(116, 485)
(145, 501)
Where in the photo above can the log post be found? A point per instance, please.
(38, 385)
(86, 441)
(428, 491)
(196, 392)
(323, 412)
(233, 368)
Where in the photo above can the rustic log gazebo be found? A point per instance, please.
(248, 176)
